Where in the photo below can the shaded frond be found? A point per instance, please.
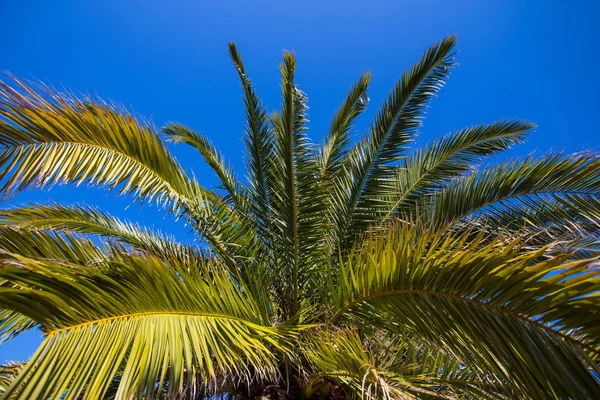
(429, 167)
(383, 366)
(572, 222)
(12, 324)
(259, 143)
(295, 196)
(341, 357)
(335, 150)
(530, 321)
(8, 373)
(93, 221)
(50, 246)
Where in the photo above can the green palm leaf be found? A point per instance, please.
(294, 191)
(55, 138)
(13, 324)
(529, 321)
(529, 181)
(92, 221)
(451, 156)
(8, 373)
(259, 142)
(41, 246)
(235, 191)
(335, 150)
(572, 222)
(50, 246)
(392, 131)
(380, 366)
(160, 319)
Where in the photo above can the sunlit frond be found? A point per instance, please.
(369, 172)
(50, 246)
(41, 246)
(236, 192)
(49, 138)
(153, 319)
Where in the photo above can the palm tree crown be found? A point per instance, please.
(358, 268)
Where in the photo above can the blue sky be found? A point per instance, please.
(536, 60)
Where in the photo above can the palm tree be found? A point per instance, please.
(368, 268)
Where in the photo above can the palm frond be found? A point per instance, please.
(295, 193)
(8, 373)
(227, 223)
(50, 246)
(369, 173)
(336, 148)
(49, 138)
(259, 142)
(41, 246)
(572, 222)
(341, 356)
(528, 181)
(13, 324)
(383, 366)
(93, 221)
(231, 236)
(333, 155)
(153, 319)
(528, 320)
(439, 372)
(236, 192)
(429, 167)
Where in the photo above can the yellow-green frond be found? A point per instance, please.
(47, 138)
(153, 319)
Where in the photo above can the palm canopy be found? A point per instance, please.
(357, 268)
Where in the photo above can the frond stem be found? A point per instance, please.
(151, 313)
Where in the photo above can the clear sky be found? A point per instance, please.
(168, 60)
